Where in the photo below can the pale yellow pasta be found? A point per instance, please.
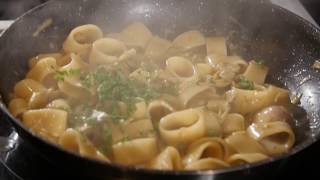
(55, 93)
(33, 61)
(214, 59)
(81, 38)
(137, 151)
(173, 100)
(246, 101)
(220, 106)
(64, 60)
(49, 123)
(168, 159)
(59, 104)
(33, 92)
(204, 69)
(272, 113)
(196, 96)
(181, 68)
(239, 159)
(233, 123)
(206, 148)
(133, 129)
(182, 127)
(213, 124)
(158, 109)
(241, 142)
(72, 141)
(139, 34)
(38, 100)
(76, 63)
(216, 45)
(18, 106)
(256, 72)
(27, 87)
(73, 91)
(157, 48)
(276, 137)
(141, 110)
(44, 71)
(189, 40)
(123, 38)
(225, 68)
(106, 51)
(207, 164)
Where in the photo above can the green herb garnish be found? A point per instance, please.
(244, 83)
(112, 87)
(61, 75)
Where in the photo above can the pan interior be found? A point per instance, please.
(254, 29)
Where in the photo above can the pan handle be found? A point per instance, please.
(8, 143)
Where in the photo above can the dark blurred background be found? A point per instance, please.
(10, 9)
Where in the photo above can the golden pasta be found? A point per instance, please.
(134, 98)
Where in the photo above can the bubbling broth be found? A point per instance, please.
(137, 99)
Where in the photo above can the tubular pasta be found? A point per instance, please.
(33, 61)
(182, 127)
(59, 104)
(158, 109)
(81, 38)
(168, 159)
(241, 142)
(189, 40)
(233, 123)
(49, 123)
(181, 68)
(207, 164)
(197, 96)
(216, 45)
(206, 148)
(246, 101)
(146, 101)
(137, 151)
(138, 33)
(18, 106)
(44, 71)
(106, 51)
(157, 48)
(276, 137)
(72, 141)
(238, 159)
(256, 72)
(133, 129)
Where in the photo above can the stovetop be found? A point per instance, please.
(24, 163)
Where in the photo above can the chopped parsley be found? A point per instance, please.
(244, 83)
(112, 87)
(61, 75)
